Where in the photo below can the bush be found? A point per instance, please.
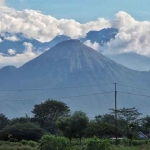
(97, 144)
(139, 142)
(26, 131)
(49, 142)
(32, 143)
(24, 142)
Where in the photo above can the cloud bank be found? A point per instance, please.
(2, 2)
(133, 36)
(45, 27)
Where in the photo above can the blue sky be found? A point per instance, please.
(85, 10)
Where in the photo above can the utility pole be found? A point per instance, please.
(116, 123)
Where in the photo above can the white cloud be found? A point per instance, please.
(19, 59)
(133, 36)
(4, 8)
(1, 40)
(45, 27)
(12, 38)
(94, 45)
(2, 2)
(11, 51)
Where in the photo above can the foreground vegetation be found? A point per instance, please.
(53, 127)
(61, 143)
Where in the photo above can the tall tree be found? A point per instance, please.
(80, 122)
(99, 129)
(65, 125)
(128, 114)
(48, 112)
(74, 125)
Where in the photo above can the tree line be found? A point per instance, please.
(53, 117)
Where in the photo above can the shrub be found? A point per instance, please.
(139, 142)
(49, 142)
(26, 131)
(98, 144)
(24, 142)
(32, 143)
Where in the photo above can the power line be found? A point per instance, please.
(134, 94)
(133, 87)
(42, 89)
(65, 97)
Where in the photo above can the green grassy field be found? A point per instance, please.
(74, 146)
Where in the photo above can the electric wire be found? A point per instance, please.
(42, 89)
(148, 96)
(133, 87)
(65, 96)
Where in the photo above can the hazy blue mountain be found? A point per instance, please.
(17, 45)
(6, 44)
(102, 36)
(71, 64)
(132, 60)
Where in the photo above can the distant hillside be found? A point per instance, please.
(102, 36)
(16, 41)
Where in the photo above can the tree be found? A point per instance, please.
(80, 122)
(99, 129)
(3, 121)
(145, 125)
(128, 114)
(109, 120)
(48, 112)
(106, 118)
(25, 119)
(65, 125)
(126, 118)
(74, 125)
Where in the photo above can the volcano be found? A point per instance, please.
(75, 74)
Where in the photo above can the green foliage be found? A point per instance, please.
(24, 142)
(25, 119)
(128, 114)
(49, 142)
(48, 112)
(139, 142)
(15, 146)
(30, 143)
(65, 126)
(99, 129)
(3, 121)
(97, 144)
(26, 131)
(74, 125)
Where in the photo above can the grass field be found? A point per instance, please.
(74, 146)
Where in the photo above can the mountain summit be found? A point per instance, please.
(74, 73)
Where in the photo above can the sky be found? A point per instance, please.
(85, 10)
(43, 20)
